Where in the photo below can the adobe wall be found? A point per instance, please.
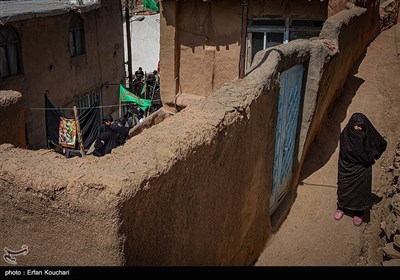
(200, 41)
(12, 118)
(193, 190)
(63, 210)
(168, 50)
(335, 6)
(62, 76)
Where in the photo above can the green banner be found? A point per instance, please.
(150, 4)
(127, 96)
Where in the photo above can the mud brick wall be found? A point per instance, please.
(12, 118)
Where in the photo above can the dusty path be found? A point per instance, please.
(310, 235)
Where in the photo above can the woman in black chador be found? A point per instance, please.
(360, 145)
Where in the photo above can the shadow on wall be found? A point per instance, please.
(327, 139)
(203, 24)
(154, 119)
(265, 54)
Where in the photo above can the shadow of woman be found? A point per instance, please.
(327, 138)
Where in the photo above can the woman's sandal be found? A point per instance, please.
(357, 221)
(339, 215)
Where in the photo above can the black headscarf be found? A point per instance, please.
(122, 132)
(361, 146)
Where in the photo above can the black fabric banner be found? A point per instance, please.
(52, 121)
(89, 121)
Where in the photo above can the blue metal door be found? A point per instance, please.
(286, 128)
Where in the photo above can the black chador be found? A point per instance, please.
(360, 146)
(105, 142)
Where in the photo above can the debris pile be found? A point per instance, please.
(391, 216)
(388, 11)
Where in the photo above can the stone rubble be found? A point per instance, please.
(390, 225)
(388, 10)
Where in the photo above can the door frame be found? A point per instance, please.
(276, 193)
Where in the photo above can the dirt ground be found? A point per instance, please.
(310, 236)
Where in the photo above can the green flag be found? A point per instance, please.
(150, 4)
(127, 96)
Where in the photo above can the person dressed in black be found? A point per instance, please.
(105, 142)
(129, 118)
(121, 130)
(138, 81)
(157, 76)
(136, 113)
(110, 136)
(106, 125)
(155, 95)
(360, 146)
(139, 74)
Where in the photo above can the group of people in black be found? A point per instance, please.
(133, 115)
(113, 133)
(151, 82)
